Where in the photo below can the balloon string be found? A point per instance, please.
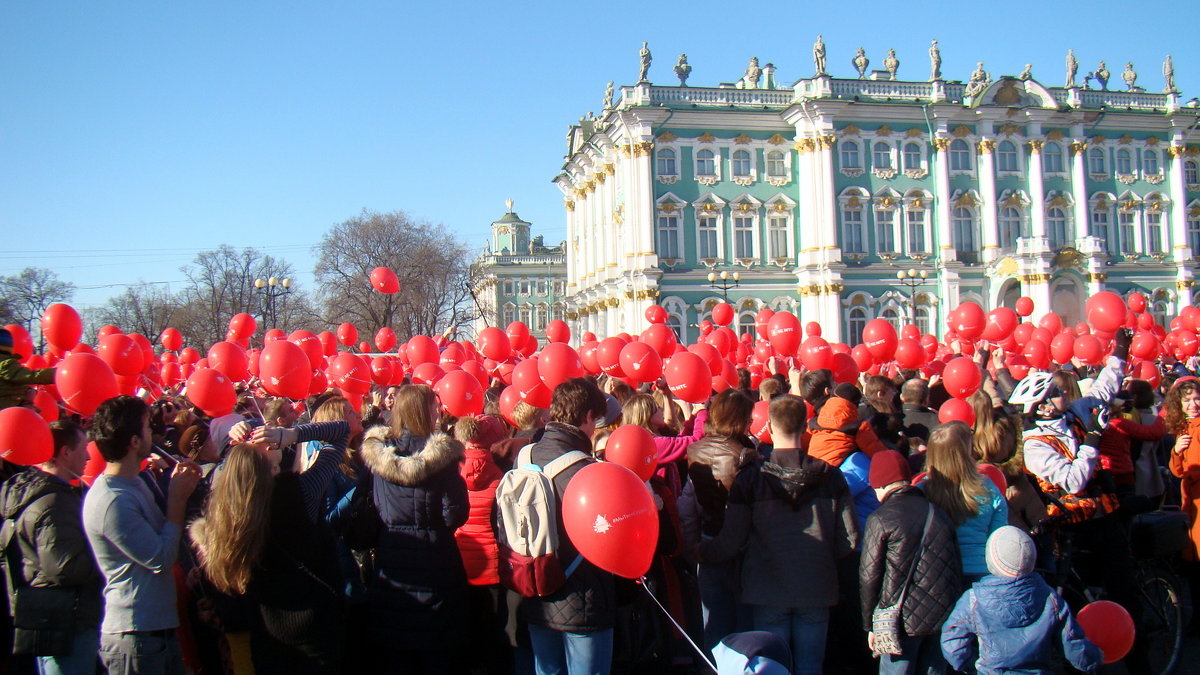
(700, 652)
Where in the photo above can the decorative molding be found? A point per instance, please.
(1035, 147)
(913, 133)
(941, 144)
(610, 168)
(668, 180)
(706, 180)
(778, 181)
(1125, 140)
(1155, 179)
(966, 201)
(852, 173)
(1016, 201)
(642, 149)
(1130, 205)
(600, 177)
(886, 174)
(777, 139)
(986, 146)
(1127, 178)
(826, 142)
(851, 130)
(1184, 284)
(709, 207)
(1098, 176)
(961, 131)
(1059, 201)
(883, 131)
(1193, 187)
(666, 137)
(916, 174)
(781, 207)
(1176, 151)
(668, 207)
(1098, 139)
(706, 137)
(1154, 206)
(1077, 148)
(745, 207)
(741, 139)
(570, 204)
(1153, 141)
(1035, 278)
(1055, 135)
(1097, 277)
(886, 202)
(744, 181)
(805, 145)
(1009, 129)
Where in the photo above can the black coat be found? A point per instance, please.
(418, 598)
(889, 546)
(587, 602)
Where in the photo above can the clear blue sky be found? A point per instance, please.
(133, 134)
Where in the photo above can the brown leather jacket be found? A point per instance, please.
(713, 463)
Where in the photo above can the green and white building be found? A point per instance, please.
(518, 277)
(817, 195)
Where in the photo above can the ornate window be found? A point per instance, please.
(741, 164)
(1150, 165)
(1100, 224)
(743, 235)
(966, 243)
(1006, 157)
(776, 164)
(917, 243)
(509, 314)
(1124, 161)
(850, 156)
(960, 155)
(913, 157)
(708, 228)
(852, 222)
(706, 164)
(924, 319)
(675, 323)
(1052, 158)
(508, 288)
(1191, 172)
(1154, 232)
(1127, 231)
(557, 311)
(541, 313)
(856, 323)
(1161, 311)
(1010, 227)
(885, 229)
(881, 155)
(543, 287)
(664, 163)
(777, 237)
(1193, 228)
(559, 288)
(1097, 166)
(668, 236)
(1056, 227)
(525, 288)
(892, 316)
(744, 324)
(526, 314)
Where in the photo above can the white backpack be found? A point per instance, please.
(527, 525)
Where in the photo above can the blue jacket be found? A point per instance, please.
(856, 469)
(1011, 625)
(973, 534)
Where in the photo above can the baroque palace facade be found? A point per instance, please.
(815, 197)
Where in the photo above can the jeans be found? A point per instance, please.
(722, 612)
(920, 655)
(802, 629)
(557, 652)
(81, 660)
(141, 653)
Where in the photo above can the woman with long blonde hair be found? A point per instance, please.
(644, 411)
(971, 500)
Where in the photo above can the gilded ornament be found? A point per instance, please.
(1014, 200)
(1130, 205)
(642, 149)
(1055, 135)
(1097, 139)
(708, 207)
(667, 137)
(610, 168)
(1035, 278)
(1155, 206)
(805, 145)
(1176, 151)
(826, 142)
(1194, 212)
(912, 133)
(1077, 148)
(741, 139)
(961, 131)
(668, 207)
(853, 203)
(851, 130)
(986, 146)
(706, 137)
(1183, 284)
(1059, 201)
(777, 139)
(745, 207)
(1035, 147)
(966, 201)
(600, 177)
(916, 204)
(1152, 141)
(1008, 129)
(883, 130)
(941, 144)
(780, 207)
(1097, 277)
(1125, 140)
(886, 201)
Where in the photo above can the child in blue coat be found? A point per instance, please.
(1011, 620)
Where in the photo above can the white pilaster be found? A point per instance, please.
(941, 200)
(1037, 191)
(987, 193)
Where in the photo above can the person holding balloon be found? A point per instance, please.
(16, 379)
(643, 411)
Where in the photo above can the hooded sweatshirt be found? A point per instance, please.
(833, 432)
(476, 538)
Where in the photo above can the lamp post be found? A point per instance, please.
(724, 281)
(271, 289)
(912, 279)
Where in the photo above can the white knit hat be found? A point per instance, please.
(1010, 552)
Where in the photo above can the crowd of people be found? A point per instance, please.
(852, 532)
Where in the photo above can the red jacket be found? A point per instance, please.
(1115, 441)
(837, 433)
(476, 539)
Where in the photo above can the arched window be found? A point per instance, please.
(1124, 161)
(557, 311)
(1056, 227)
(1052, 158)
(540, 317)
(856, 323)
(1096, 163)
(960, 156)
(705, 164)
(509, 314)
(912, 156)
(1100, 225)
(741, 163)
(745, 324)
(1006, 157)
(850, 155)
(1150, 165)
(776, 166)
(526, 314)
(1010, 227)
(852, 230)
(1193, 231)
(885, 230)
(1191, 172)
(881, 155)
(924, 320)
(1154, 232)
(965, 242)
(676, 325)
(665, 162)
(890, 315)
(1161, 311)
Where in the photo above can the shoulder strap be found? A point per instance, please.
(524, 456)
(562, 463)
(916, 559)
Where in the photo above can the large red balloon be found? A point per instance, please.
(1024, 306)
(347, 334)
(121, 354)
(311, 345)
(230, 359)
(609, 515)
(962, 377)
(1108, 626)
(688, 377)
(24, 437)
(909, 353)
(1037, 354)
(61, 326)
(783, 330)
(22, 343)
(845, 368)
(558, 331)
(385, 339)
(351, 373)
(1106, 311)
(494, 344)
(517, 332)
(382, 370)
(211, 391)
(422, 349)
(242, 325)
(762, 322)
(992, 472)
(509, 398)
(632, 447)
(329, 342)
(85, 381)
(661, 338)
(1062, 347)
(1001, 322)
(956, 409)
(641, 362)
(558, 363)
(815, 353)
(722, 314)
(970, 321)
(384, 280)
(1089, 350)
(460, 393)
(760, 419)
(608, 356)
(1144, 346)
(285, 370)
(656, 314)
(171, 340)
(879, 336)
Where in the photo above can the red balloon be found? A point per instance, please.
(880, 338)
(815, 353)
(722, 314)
(862, 357)
(46, 404)
(910, 331)
(428, 373)
(22, 343)
(970, 321)
(121, 354)
(1137, 302)
(609, 514)
(347, 334)
(272, 335)
(381, 370)
(656, 314)
(845, 368)
(909, 353)
(995, 474)
(25, 437)
(1144, 346)
(285, 370)
(812, 329)
(384, 280)
(509, 398)
(632, 447)
(608, 356)
(1062, 347)
(661, 338)
(329, 343)
(171, 340)
(587, 355)
(558, 331)
(589, 336)
(229, 359)
(85, 381)
(518, 332)
(1089, 350)
(956, 409)
(1148, 371)
(688, 377)
(61, 326)
(311, 345)
(211, 391)
(170, 374)
(760, 421)
(1023, 332)
(762, 322)
(1106, 311)
(1001, 322)
(1037, 354)
(242, 325)
(709, 353)
(558, 363)
(350, 373)
(1052, 323)
(385, 339)
(962, 377)
(422, 349)
(494, 343)
(460, 393)
(783, 330)
(641, 362)
(1108, 626)
(1024, 306)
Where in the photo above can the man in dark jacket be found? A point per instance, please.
(572, 629)
(892, 550)
(43, 534)
(794, 517)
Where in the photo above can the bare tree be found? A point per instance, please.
(28, 293)
(146, 308)
(431, 264)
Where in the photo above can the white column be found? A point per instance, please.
(987, 192)
(826, 226)
(941, 200)
(1037, 191)
(641, 198)
(1181, 250)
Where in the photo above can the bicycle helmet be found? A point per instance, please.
(1031, 391)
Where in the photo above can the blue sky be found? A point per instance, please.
(133, 134)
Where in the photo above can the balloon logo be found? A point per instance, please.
(609, 515)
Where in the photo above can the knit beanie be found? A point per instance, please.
(6, 342)
(754, 652)
(887, 467)
(1010, 552)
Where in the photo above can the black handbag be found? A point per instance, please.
(43, 617)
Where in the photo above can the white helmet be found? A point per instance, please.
(1032, 390)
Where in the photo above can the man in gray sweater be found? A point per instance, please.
(135, 543)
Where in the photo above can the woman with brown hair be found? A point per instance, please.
(642, 410)
(418, 596)
(1182, 408)
(971, 500)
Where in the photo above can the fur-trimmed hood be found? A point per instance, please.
(408, 460)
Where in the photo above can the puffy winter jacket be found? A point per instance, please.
(1115, 444)
(857, 470)
(793, 517)
(418, 599)
(1012, 625)
(838, 432)
(16, 378)
(476, 539)
(889, 547)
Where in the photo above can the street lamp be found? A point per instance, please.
(912, 279)
(271, 289)
(724, 281)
